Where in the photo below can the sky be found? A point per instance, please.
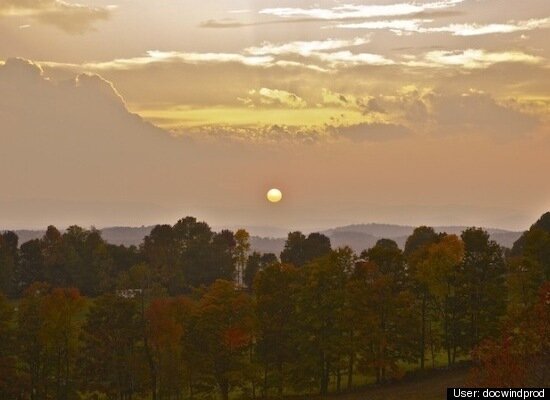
(135, 112)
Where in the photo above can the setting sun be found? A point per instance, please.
(274, 195)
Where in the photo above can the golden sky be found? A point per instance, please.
(426, 111)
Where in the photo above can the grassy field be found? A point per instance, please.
(431, 386)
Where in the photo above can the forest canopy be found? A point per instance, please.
(194, 313)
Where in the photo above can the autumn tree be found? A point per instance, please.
(519, 356)
(225, 323)
(60, 310)
(167, 326)
(9, 380)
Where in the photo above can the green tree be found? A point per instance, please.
(483, 286)
(389, 259)
(111, 357)
(257, 262)
(55, 271)
(384, 319)
(47, 331)
(440, 272)
(32, 346)
(87, 260)
(416, 251)
(274, 288)
(60, 310)
(32, 266)
(8, 263)
(320, 302)
(300, 249)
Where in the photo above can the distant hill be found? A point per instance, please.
(364, 236)
(359, 237)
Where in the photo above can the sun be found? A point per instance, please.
(274, 195)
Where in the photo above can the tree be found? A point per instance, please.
(31, 342)
(320, 302)
(60, 309)
(194, 249)
(439, 272)
(385, 321)
(389, 259)
(299, 250)
(47, 335)
(421, 237)
(10, 387)
(8, 263)
(274, 288)
(416, 251)
(225, 323)
(87, 260)
(222, 261)
(111, 357)
(483, 288)
(257, 262)
(167, 321)
(242, 248)
(161, 254)
(520, 355)
(32, 265)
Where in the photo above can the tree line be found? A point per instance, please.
(193, 314)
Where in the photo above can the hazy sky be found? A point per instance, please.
(130, 112)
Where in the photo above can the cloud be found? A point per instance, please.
(401, 26)
(360, 11)
(433, 112)
(304, 48)
(153, 57)
(486, 29)
(319, 50)
(347, 59)
(69, 130)
(477, 113)
(472, 58)
(266, 56)
(397, 26)
(69, 17)
(274, 97)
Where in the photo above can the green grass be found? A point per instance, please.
(430, 385)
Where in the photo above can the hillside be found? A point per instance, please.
(432, 386)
